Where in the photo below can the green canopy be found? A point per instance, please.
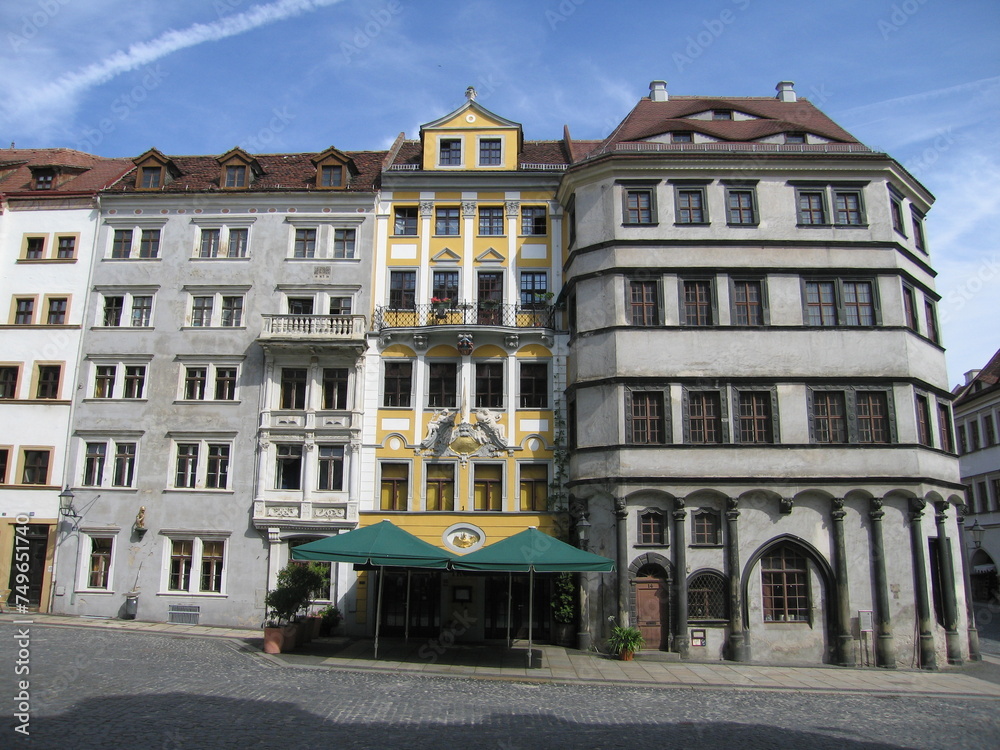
(383, 543)
(532, 551)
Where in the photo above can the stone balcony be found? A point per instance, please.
(305, 513)
(287, 419)
(313, 330)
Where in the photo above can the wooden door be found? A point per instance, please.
(652, 605)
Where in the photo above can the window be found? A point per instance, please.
(812, 207)
(989, 431)
(840, 302)
(104, 381)
(829, 417)
(403, 290)
(651, 527)
(490, 152)
(217, 470)
(216, 309)
(99, 567)
(896, 211)
(202, 464)
(332, 175)
(534, 385)
(491, 221)
(186, 474)
(395, 486)
(442, 380)
(236, 176)
(305, 243)
(335, 381)
(135, 381)
(93, 464)
(722, 114)
(534, 287)
(756, 421)
(195, 380)
(196, 565)
(639, 206)
(785, 585)
(974, 435)
(232, 311)
(910, 308)
(139, 307)
(489, 385)
(873, 417)
(944, 428)
(748, 302)
(487, 487)
(239, 242)
(923, 420)
(57, 311)
(122, 466)
(644, 302)
(44, 179)
(340, 305)
(343, 243)
(741, 207)
(533, 221)
(647, 420)
(691, 206)
(398, 383)
(917, 221)
(8, 381)
(444, 286)
(121, 243)
(930, 318)
(288, 467)
(446, 221)
(707, 596)
(450, 152)
(201, 311)
(225, 383)
(963, 444)
(149, 243)
(34, 248)
(534, 487)
(4, 463)
(150, 177)
(405, 224)
(331, 468)
(36, 467)
(48, 381)
(851, 416)
(706, 527)
(211, 240)
(440, 486)
(66, 248)
(293, 388)
(795, 137)
(704, 418)
(698, 302)
(681, 137)
(24, 311)
(849, 208)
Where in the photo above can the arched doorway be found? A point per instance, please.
(983, 576)
(651, 580)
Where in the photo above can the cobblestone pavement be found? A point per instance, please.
(93, 688)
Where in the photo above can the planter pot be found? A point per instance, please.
(291, 633)
(564, 632)
(625, 655)
(304, 633)
(274, 639)
(315, 625)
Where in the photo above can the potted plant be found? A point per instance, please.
(564, 608)
(625, 641)
(330, 618)
(296, 584)
(441, 305)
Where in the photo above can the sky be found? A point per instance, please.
(919, 79)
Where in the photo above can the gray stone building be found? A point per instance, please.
(760, 422)
(216, 406)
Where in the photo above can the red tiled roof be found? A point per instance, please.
(649, 118)
(98, 171)
(280, 172)
(988, 377)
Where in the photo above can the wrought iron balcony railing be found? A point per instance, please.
(538, 315)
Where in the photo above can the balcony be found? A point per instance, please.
(346, 330)
(492, 314)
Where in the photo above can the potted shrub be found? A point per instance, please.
(296, 584)
(625, 641)
(564, 608)
(330, 618)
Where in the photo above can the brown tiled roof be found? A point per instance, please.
(988, 378)
(99, 172)
(649, 118)
(280, 172)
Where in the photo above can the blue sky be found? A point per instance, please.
(919, 79)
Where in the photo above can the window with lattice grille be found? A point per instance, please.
(707, 597)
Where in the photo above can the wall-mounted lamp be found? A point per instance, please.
(977, 534)
(66, 508)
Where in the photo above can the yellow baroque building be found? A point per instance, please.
(465, 368)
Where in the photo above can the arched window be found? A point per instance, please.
(652, 527)
(785, 585)
(707, 596)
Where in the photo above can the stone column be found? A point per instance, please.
(738, 647)
(885, 648)
(621, 528)
(578, 509)
(953, 644)
(681, 640)
(845, 640)
(963, 541)
(928, 657)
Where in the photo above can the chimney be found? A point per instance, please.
(658, 91)
(786, 91)
(971, 375)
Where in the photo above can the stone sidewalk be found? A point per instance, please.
(561, 665)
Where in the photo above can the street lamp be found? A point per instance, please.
(977, 534)
(66, 508)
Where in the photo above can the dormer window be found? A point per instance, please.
(490, 152)
(681, 138)
(722, 114)
(44, 179)
(236, 176)
(795, 137)
(332, 175)
(450, 152)
(151, 177)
